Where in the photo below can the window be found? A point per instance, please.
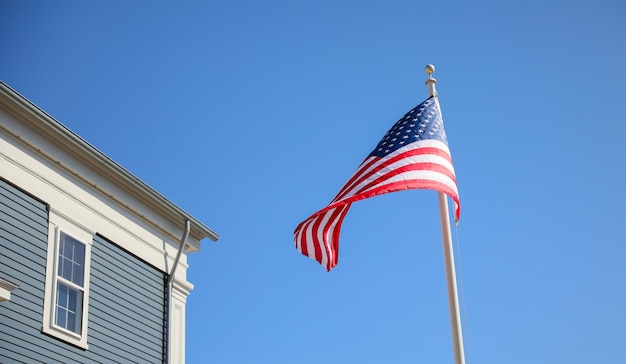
(67, 281)
(70, 279)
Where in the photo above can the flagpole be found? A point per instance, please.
(448, 252)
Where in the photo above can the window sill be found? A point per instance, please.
(69, 337)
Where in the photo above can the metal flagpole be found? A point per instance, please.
(453, 298)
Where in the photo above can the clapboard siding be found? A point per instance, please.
(125, 304)
(125, 265)
(13, 258)
(23, 246)
(127, 293)
(123, 317)
(27, 206)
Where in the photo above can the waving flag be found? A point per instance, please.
(414, 154)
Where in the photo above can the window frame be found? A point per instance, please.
(57, 226)
(71, 284)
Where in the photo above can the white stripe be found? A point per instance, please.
(424, 175)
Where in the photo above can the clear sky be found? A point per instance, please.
(250, 115)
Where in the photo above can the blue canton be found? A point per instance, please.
(421, 123)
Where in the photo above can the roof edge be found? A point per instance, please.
(67, 139)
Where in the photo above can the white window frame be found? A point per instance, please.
(58, 225)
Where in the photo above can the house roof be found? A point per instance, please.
(64, 138)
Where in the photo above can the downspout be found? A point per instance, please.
(183, 241)
(168, 286)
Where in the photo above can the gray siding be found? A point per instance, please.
(125, 304)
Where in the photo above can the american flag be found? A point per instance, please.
(414, 154)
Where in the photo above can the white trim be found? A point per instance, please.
(57, 225)
(5, 290)
(66, 198)
(178, 301)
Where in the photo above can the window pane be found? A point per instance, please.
(71, 300)
(61, 317)
(62, 295)
(79, 253)
(75, 312)
(66, 271)
(71, 321)
(77, 274)
(78, 312)
(71, 259)
(69, 308)
(61, 306)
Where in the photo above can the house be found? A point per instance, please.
(93, 262)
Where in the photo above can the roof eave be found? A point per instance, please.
(62, 136)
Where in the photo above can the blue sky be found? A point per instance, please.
(251, 115)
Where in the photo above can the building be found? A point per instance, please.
(90, 269)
